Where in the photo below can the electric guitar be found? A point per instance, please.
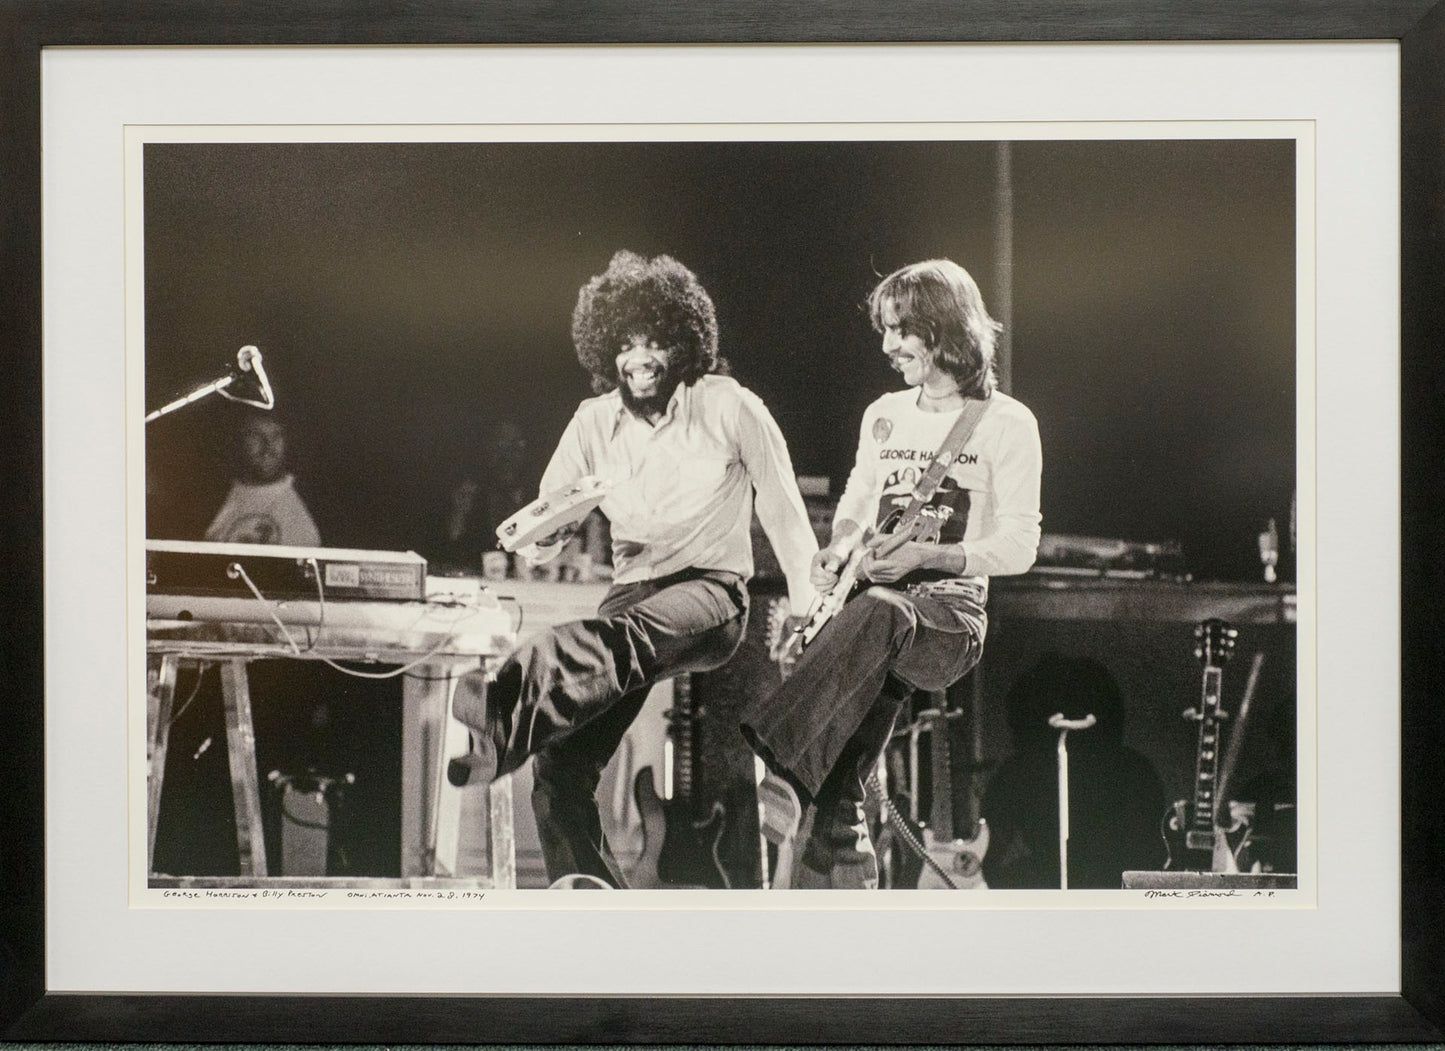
(961, 859)
(1191, 829)
(680, 843)
(876, 540)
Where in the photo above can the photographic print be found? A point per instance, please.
(524, 513)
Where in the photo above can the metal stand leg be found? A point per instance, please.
(160, 702)
(426, 700)
(446, 810)
(241, 749)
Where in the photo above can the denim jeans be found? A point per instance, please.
(569, 694)
(829, 721)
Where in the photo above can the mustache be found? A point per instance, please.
(666, 383)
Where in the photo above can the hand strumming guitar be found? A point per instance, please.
(884, 566)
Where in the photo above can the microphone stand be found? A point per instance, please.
(248, 359)
(1063, 725)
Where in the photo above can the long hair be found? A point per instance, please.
(658, 298)
(939, 301)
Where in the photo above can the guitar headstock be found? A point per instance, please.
(1214, 642)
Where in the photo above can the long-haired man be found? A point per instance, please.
(921, 624)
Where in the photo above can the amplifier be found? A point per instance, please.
(1092, 556)
(1209, 881)
(186, 567)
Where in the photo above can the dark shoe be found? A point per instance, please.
(470, 701)
(838, 852)
(471, 705)
(477, 767)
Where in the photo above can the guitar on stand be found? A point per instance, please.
(961, 859)
(1191, 828)
(680, 843)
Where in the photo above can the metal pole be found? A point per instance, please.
(1003, 300)
(1059, 723)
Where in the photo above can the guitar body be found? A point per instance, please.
(681, 843)
(962, 859)
(1186, 852)
(1190, 852)
(679, 849)
(645, 874)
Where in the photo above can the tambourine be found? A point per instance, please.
(551, 511)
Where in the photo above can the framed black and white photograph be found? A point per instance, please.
(915, 527)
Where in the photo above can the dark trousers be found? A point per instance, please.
(569, 694)
(829, 721)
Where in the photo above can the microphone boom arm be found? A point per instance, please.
(248, 359)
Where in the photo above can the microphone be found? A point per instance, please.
(248, 360)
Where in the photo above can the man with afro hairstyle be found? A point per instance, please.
(690, 454)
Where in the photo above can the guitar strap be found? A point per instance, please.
(953, 443)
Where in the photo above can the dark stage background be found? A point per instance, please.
(404, 294)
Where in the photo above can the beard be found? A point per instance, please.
(653, 404)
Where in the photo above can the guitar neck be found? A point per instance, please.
(1206, 765)
(680, 731)
(941, 755)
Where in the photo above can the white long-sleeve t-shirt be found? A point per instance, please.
(988, 501)
(683, 488)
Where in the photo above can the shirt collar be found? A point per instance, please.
(280, 483)
(676, 405)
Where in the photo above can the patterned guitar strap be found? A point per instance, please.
(953, 443)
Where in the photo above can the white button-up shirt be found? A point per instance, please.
(683, 489)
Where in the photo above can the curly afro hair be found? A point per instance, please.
(659, 298)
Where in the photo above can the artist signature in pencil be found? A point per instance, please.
(1201, 893)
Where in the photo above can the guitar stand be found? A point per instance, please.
(1059, 723)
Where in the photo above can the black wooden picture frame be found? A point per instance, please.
(28, 1012)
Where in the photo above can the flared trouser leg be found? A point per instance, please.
(831, 718)
(569, 694)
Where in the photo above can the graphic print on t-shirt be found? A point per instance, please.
(254, 529)
(943, 519)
